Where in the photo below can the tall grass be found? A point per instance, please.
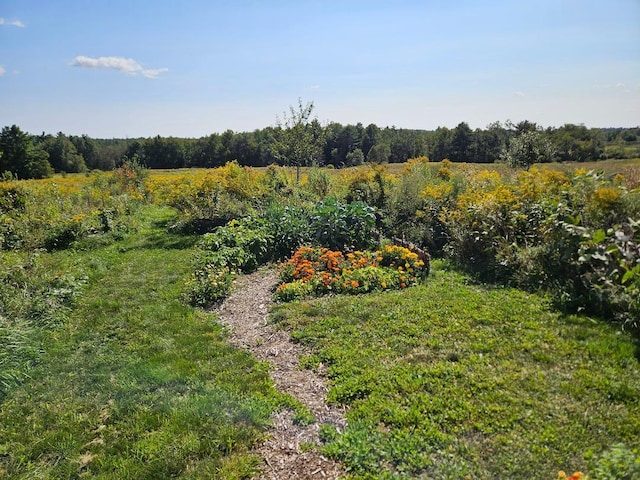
(135, 384)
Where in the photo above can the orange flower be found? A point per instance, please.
(355, 284)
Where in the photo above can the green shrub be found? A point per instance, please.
(204, 213)
(288, 227)
(64, 234)
(610, 272)
(208, 286)
(12, 197)
(319, 182)
(343, 226)
(239, 247)
(617, 463)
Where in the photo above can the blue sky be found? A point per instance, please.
(190, 68)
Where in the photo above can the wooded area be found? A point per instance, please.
(35, 156)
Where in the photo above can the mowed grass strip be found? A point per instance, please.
(137, 385)
(457, 380)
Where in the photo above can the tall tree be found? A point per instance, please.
(19, 156)
(379, 153)
(528, 148)
(86, 147)
(576, 143)
(441, 147)
(461, 142)
(298, 141)
(63, 155)
(370, 137)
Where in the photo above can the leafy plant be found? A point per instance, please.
(341, 226)
(616, 463)
(610, 264)
(239, 247)
(288, 227)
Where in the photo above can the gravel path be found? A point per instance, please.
(245, 314)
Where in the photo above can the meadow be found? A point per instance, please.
(511, 352)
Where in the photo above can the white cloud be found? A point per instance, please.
(2, 70)
(13, 23)
(519, 94)
(126, 65)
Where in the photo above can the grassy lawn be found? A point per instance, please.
(457, 380)
(135, 384)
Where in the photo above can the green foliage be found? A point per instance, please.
(19, 156)
(355, 157)
(288, 227)
(528, 148)
(369, 186)
(609, 264)
(451, 379)
(13, 197)
(208, 286)
(213, 200)
(319, 182)
(535, 231)
(64, 234)
(340, 226)
(379, 153)
(298, 140)
(63, 155)
(239, 247)
(32, 302)
(616, 463)
(412, 213)
(137, 385)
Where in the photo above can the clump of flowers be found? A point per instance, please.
(576, 476)
(318, 271)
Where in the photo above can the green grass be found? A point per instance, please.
(453, 379)
(136, 384)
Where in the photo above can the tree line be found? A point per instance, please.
(24, 155)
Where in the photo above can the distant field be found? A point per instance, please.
(608, 166)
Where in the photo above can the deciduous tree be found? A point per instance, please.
(299, 139)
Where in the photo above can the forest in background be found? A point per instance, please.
(25, 155)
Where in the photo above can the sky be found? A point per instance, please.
(189, 68)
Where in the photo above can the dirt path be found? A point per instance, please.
(245, 313)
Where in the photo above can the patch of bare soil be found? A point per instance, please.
(245, 314)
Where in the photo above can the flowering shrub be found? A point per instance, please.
(317, 271)
(208, 198)
(56, 212)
